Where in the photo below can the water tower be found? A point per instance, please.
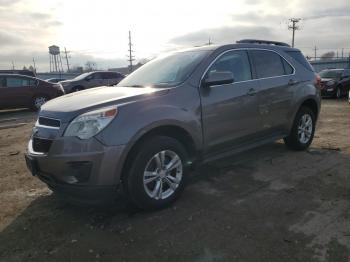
(55, 59)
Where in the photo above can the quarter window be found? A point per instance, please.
(288, 70)
(236, 62)
(267, 63)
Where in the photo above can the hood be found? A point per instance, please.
(71, 105)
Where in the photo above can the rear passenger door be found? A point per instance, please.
(277, 82)
(229, 111)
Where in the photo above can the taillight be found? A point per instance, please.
(318, 81)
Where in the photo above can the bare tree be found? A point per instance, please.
(328, 55)
(90, 66)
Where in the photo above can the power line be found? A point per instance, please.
(294, 26)
(131, 57)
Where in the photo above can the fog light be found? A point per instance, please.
(77, 172)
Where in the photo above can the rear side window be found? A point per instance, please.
(299, 57)
(236, 62)
(110, 75)
(2, 82)
(267, 63)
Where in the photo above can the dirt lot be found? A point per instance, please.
(269, 204)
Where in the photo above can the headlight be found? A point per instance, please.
(91, 123)
(58, 86)
(330, 83)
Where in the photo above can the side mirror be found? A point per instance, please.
(88, 78)
(218, 78)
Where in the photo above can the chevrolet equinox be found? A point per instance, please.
(186, 107)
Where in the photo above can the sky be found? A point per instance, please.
(98, 30)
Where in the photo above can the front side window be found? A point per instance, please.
(333, 74)
(267, 63)
(97, 76)
(236, 62)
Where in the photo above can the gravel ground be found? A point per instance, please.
(268, 204)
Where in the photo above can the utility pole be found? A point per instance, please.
(293, 25)
(131, 57)
(315, 50)
(13, 65)
(66, 55)
(209, 42)
(342, 53)
(34, 65)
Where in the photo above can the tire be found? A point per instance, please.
(296, 140)
(145, 167)
(38, 101)
(76, 89)
(338, 92)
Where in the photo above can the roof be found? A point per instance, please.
(245, 44)
(18, 75)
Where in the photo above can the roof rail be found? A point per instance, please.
(266, 42)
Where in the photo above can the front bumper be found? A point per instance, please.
(83, 170)
(330, 92)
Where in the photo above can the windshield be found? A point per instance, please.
(330, 74)
(82, 76)
(168, 70)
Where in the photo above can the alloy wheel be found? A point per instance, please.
(162, 175)
(305, 128)
(39, 101)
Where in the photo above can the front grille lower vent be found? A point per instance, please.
(44, 121)
(41, 145)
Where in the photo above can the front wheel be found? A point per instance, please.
(303, 130)
(157, 174)
(338, 93)
(38, 101)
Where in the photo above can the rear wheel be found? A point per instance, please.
(157, 174)
(38, 101)
(303, 130)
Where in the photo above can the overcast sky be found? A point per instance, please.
(98, 30)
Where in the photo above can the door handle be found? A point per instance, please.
(292, 82)
(251, 92)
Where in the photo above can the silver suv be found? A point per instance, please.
(183, 108)
(91, 79)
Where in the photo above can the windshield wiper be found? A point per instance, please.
(135, 86)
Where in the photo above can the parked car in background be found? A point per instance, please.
(91, 79)
(186, 107)
(18, 72)
(55, 80)
(19, 91)
(335, 82)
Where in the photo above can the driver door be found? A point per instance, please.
(230, 111)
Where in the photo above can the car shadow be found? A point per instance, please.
(17, 115)
(238, 216)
